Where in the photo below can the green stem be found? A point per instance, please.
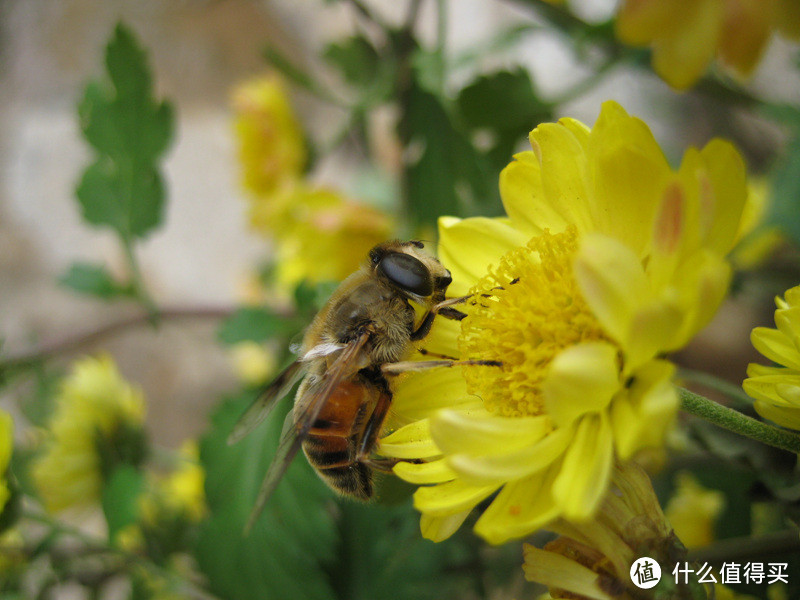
(734, 421)
(137, 281)
(726, 388)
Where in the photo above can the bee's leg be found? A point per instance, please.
(443, 308)
(372, 427)
(425, 352)
(421, 365)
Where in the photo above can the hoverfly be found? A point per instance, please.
(349, 355)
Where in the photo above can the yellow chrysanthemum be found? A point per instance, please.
(319, 235)
(98, 418)
(608, 260)
(6, 444)
(777, 389)
(685, 35)
(252, 362)
(692, 511)
(271, 146)
(178, 495)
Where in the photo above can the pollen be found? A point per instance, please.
(522, 314)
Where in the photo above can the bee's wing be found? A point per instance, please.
(296, 427)
(266, 401)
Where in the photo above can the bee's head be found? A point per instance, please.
(405, 267)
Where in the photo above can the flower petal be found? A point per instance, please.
(479, 432)
(450, 498)
(436, 471)
(411, 441)
(438, 529)
(775, 346)
(584, 476)
(524, 199)
(559, 572)
(581, 379)
(467, 247)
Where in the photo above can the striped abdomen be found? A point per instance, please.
(332, 445)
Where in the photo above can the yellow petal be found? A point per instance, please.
(450, 498)
(775, 346)
(581, 379)
(621, 149)
(523, 196)
(681, 58)
(467, 247)
(438, 529)
(639, 21)
(436, 471)
(612, 281)
(480, 432)
(586, 471)
(747, 28)
(514, 465)
(411, 441)
(520, 508)
(419, 395)
(559, 572)
(564, 174)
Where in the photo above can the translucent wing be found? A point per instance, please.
(267, 400)
(296, 427)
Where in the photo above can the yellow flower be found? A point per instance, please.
(252, 362)
(12, 554)
(6, 443)
(97, 419)
(692, 511)
(179, 495)
(609, 259)
(319, 235)
(594, 561)
(756, 241)
(685, 35)
(777, 389)
(271, 146)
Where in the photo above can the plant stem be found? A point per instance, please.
(734, 421)
(726, 388)
(137, 281)
(88, 337)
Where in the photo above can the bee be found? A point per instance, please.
(350, 354)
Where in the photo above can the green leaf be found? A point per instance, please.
(445, 174)
(120, 498)
(252, 323)
(129, 131)
(505, 106)
(356, 58)
(285, 554)
(94, 280)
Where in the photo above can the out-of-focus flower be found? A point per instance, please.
(96, 425)
(179, 495)
(756, 242)
(777, 389)
(593, 560)
(271, 147)
(320, 235)
(598, 272)
(692, 511)
(685, 35)
(6, 444)
(12, 554)
(252, 362)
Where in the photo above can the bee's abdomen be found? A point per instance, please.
(333, 459)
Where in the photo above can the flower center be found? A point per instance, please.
(524, 312)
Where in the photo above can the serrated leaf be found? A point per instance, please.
(129, 131)
(285, 554)
(120, 499)
(91, 279)
(445, 174)
(252, 324)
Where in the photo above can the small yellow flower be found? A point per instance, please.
(608, 260)
(179, 495)
(97, 415)
(319, 235)
(685, 35)
(252, 362)
(692, 511)
(271, 146)
(756, 241)
(777, 389)
(6, 444)
(594, 561)
(12, 554)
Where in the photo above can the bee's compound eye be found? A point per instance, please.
(407, 273)
(445, 280)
